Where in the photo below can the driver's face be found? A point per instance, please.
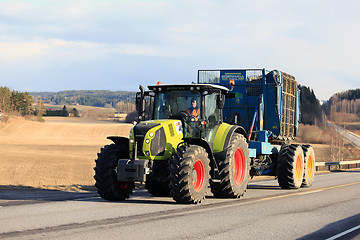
(193, 103)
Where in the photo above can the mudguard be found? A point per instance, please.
(222, 139)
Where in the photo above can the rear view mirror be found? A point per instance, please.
(220, 101)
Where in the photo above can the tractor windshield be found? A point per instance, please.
(172, 103)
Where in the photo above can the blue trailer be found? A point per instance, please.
(266, 103)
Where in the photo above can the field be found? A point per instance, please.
(59, 153)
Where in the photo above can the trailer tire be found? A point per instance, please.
(157, 188)
(309, 166)
(290, 167)
(234, 170)
(105, 173)
(189, 174)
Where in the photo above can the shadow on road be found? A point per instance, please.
(19, 195)
(22, 195)
(255, 186)
(336, 228)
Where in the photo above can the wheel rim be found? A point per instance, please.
(239, 166)
(298, 167)
(123, 185)
(198, 175)
(310, 165)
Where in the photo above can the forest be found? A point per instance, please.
(310, 108)
(95, 98)
(344, 106)
(15, 101)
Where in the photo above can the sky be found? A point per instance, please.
(51, 45)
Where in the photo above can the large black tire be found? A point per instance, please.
(189, 174)
(290, 167)
(309, 166)
(157, 188)
(234, 170)
(105, 173)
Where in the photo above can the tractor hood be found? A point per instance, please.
(156, 139)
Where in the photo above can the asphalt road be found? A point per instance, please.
(355, 139)
(329, 209)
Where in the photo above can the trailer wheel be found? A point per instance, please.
(157, 188)
(309, 166)
(234, 170)
(105, 173)
(290, 168)
(189, 174)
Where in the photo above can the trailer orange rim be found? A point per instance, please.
(298, 167)
(198, 175)
(239, 166)
(310, 165)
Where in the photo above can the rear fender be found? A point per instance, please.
(224, 134)
(223, 138)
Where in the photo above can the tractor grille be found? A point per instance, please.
(158, 143)
(140, 131)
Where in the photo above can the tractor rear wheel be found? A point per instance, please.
(290, 167)
(309, 166)
(105, 173)
(234, 170)
(189, 174)
(157, 188)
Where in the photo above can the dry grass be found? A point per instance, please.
(59, 152)
(312, 134)
(328, 144)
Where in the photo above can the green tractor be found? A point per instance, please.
(179, 147)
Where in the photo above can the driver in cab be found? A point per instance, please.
(194, 111)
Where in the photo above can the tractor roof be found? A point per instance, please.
(189, 87)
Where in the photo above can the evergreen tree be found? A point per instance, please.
(309, 106)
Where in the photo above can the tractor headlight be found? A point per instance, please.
(147, 141)
(147, 153)
(152, 134)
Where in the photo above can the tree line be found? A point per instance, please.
(344, 106)
(15, 101)
(95, 98)
(310, 107)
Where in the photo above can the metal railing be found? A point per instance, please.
(339, 164)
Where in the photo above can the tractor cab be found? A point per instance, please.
(197, 106)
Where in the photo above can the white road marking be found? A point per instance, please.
(344, 233)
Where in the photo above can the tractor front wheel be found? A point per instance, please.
(189, 174)
(105, 173)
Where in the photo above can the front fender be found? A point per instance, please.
(119, 140)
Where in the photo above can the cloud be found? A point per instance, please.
(315, 41)
(80, 50)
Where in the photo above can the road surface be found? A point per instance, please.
(355, 139)
(330, 208)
